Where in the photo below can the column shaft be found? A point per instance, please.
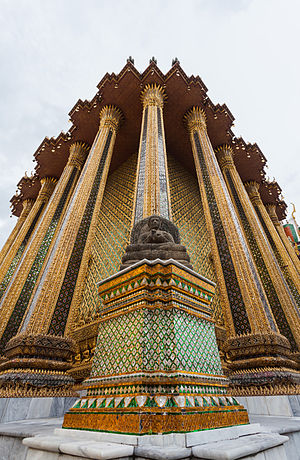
(27, 205)
(50, 306)
(249, 307)
(287, 267)
(16, 251)
(272, 279)
(17, 297)
(152, 189)
(281, 241)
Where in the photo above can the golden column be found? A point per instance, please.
(152, 189)
(23, 282)
(287, 267)
(254, 341)
(281, 239)
(280, 298)
(27, 205)
(50, 306)
(19, 244)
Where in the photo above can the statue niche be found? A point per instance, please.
(155, 238)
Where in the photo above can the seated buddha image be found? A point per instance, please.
(152, 238)
(154, 234)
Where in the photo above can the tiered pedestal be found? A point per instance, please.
(156, 367)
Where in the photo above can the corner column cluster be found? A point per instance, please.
(254, 340)
(271, 276)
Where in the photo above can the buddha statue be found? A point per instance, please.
(155, 238)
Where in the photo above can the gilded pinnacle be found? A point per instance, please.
(195, 118)
(153, 94)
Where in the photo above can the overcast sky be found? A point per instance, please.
(54, 52)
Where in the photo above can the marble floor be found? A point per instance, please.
(267, 438)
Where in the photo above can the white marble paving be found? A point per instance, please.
(250, 442)
(208, 436)
(98, 436)
(239, 448)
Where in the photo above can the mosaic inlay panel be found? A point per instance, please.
(188, 215)
(238, 309)
(163, 192)
(288, 278)
(139, 207)
(111, 237)
(23, 300)
(20, 251)
(262, 270)
(157, 339)
(62, 307)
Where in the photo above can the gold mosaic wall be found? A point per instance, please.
(188, 215)
(114, 224)
(112, 235)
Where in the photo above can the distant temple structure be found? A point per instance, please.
(149, 266)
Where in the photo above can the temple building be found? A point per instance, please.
(149, 284)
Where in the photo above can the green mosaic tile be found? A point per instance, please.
(156, 340)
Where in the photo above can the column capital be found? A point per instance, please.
(78, 153)
(153, 95)
(195, 118)
(111, 117)
(225, 154)
(271, 209)
(48, 185)
(27, 205)
(252, 188)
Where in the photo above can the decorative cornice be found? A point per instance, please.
(194, 119)
(153, 94)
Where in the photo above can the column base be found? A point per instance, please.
(261, 364)
(36, 367)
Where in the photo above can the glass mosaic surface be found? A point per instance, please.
(239, 314)
(262, 270)
(25, 295)
(188, 215)
(156, 339)
(20, 251)
(62, 307)
(112, 234)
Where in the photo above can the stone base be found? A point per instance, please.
(155, 420)
(226, 443)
